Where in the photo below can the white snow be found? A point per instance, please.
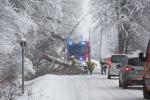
(28, 67)
(78, 87)
(136, 53)
(25, 23)
(84, 26)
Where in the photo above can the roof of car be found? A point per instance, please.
(128, 55)
(118, 54)
(133, 56)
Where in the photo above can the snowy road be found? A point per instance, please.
(79, 87)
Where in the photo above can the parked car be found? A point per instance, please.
(131, 73)
(115, 63)
(146, 77)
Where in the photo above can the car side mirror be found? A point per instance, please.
(141, 57)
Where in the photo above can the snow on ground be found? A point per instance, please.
(28, 67)
(78, 87)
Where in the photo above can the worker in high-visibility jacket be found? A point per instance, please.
(91, 66)
(73, 61)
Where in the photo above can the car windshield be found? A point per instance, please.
(135, 62)
(118, 59)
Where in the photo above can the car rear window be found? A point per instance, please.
(135, 62)
(118, 59)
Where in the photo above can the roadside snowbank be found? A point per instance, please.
(28, 67)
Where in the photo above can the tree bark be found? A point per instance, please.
(56, 60)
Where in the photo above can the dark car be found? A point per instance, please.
(131, 73)
(146, 76)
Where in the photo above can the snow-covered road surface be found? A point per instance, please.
(79, 87)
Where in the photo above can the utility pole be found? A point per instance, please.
(117, 8)
(101, 37)
(23, 44)
(90, 42)
(90, 36)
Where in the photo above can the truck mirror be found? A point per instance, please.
(141, 57)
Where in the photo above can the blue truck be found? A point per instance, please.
(80, 51)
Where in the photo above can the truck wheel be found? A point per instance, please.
(146, 93)
(124, 85)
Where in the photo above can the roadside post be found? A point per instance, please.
(23, 44)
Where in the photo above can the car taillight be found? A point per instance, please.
(129, 69)
(109, 62)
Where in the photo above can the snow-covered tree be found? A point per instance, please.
(104, 27)
(128, 18)
(43, 23)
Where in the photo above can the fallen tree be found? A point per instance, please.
(55, 60)
(53, 65)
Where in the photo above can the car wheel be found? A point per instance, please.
(109, 76)
(120, 83)
(146, 93)
(124, 85)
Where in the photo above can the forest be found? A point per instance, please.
(120, 26)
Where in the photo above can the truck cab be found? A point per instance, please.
(146, 77)
(80, 51)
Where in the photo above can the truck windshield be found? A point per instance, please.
(78, 49)
(135, 62)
